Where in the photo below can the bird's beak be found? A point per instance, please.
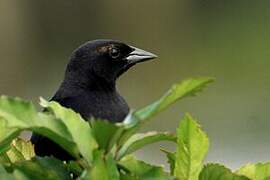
(139, 55)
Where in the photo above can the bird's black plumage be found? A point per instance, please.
(89, 85)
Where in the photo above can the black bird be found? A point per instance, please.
(89, 86)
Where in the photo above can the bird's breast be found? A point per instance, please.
(102, 105)
(110, 107)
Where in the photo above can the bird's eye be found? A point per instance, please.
(115, 53)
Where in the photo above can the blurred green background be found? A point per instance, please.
(226, 39)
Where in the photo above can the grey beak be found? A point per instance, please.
(139, 55)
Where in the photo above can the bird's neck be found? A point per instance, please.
(89, 82)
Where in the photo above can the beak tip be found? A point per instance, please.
(152, 56)
(139, 55)
(155, 56)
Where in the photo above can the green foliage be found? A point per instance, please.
(81, 133)
(20, 150)
(19, 115)
(140, 170)
(170, 159)
(136, 119)
(103, 150)
(110, 133)
(139, 140)
(6, 136)
(216, 171)
(37, 168)
(259, 171)
(192, 146)
(189, 87)
(104, 167)
(42, 167)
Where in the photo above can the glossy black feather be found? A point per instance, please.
(89, 87)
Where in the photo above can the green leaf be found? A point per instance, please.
(186, 88)
(6, 135)
(140, 140)
(140, 170)
(4, 159)
(189, 87)
(127, 177)
(102, 168)
(170, 159)
(38, 168)
(41, 168)
(80, 130)
(20, 150)
(219, 172)
(112, 168)
(192, 146)
(259, 171)
(98, 169)
(75, 168)
(20, 115)
(106, 133)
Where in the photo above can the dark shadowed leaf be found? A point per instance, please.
(74, 168)
(41, 168)
(219, 172)
(38, 168)
(192, 146)
(140, 170)
(106, 133)
(128, 177)
(140, 140)
(170, 159)
(4, 159)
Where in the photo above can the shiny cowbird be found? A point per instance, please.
(89, 86)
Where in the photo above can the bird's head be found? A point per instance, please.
(105, 60)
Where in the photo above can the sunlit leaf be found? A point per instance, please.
(192, 146)
(259, 171)
(102, 168)
(20, 150)
(80, 130)
(189, 87)
(98, 169)
(20, 115)
(112, 168)
(219, 172)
